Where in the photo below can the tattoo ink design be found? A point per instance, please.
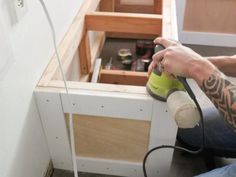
(223, 94)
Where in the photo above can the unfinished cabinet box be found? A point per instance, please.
(114, 124)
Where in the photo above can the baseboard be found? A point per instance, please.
(49, 171)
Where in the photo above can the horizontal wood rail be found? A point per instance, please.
(124, 23)
(124, 77)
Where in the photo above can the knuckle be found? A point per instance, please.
(168, 54)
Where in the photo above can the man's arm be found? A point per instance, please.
(223, 94)
(226, 64)
(218, 89)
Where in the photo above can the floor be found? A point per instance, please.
(183, 165)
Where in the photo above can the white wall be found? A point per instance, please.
(25, 50)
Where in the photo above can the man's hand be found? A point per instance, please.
(182, 61)
(178, 60)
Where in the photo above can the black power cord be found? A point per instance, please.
(191, 94)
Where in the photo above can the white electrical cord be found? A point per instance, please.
(72, 140)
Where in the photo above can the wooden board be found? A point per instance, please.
(157, 6)
(85, 54)
(146, 9)
(150, 7)
(210, 16)
(106, 138)
(124, 77)
(131, 36)
(107, 5)
(124, 22)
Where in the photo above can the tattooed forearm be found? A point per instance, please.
(223, 94)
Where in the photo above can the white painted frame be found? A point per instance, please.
(52, 106)
(201, 38)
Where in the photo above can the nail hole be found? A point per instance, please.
(108, 168)
(57, 138)
(73, 104)
(47, 100)
(166, 110)
(102, 106)
(140, 109)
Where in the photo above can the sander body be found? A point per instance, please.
(179, 103)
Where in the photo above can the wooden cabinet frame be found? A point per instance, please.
(109, 102)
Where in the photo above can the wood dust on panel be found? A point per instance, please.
(111, 138)
(210, 16)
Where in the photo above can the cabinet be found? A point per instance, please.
(114, 124)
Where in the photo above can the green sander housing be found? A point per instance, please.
(159, 85)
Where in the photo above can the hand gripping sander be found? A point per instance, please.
(173, 91)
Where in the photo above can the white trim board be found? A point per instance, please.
(201, 38)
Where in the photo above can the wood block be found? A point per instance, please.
(157, 6)
(124, 23)
(85, 54)
(107, 5)
(124, 77)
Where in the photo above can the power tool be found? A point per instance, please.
(173, 91)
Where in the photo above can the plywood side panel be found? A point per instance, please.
(210, 16)
(106, 138)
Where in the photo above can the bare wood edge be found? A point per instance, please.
(70, 42)
(122, 72)
(85, 54)
(86, 86)
(124, 77)
(95, 52)
(169, 27)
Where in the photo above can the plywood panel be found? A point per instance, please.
(107, 138)
(210, 16)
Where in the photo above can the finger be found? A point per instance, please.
(165, 42)
(157, 57)
(169, 75)
(151, 67)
